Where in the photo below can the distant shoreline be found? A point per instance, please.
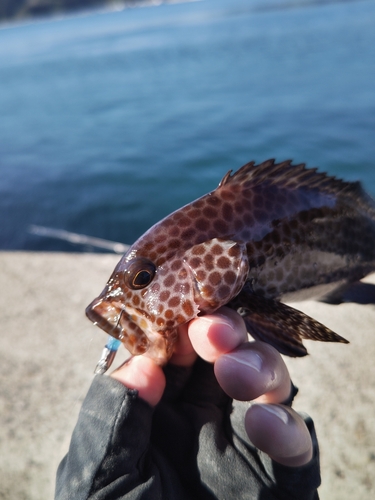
(23, 10)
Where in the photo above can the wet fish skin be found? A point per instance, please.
(267, 230)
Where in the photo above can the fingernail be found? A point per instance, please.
(247, 358)
(277, 411)
(220, 319)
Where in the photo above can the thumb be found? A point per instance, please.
(144, 375)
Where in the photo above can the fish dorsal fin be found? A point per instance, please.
(290, 176)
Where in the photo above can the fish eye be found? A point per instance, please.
(139, 273)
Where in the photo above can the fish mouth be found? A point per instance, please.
(107, 316)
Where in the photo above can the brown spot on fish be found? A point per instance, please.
(173, 302)
(164, 296)
(188, 234)
(195, 262)
(201, 274)
(174, 243)
(180, 319)
(248, 218)
(199, 203)
(184, 222)
(214, 278)
(230, 277)
(168, 314)
(234, 251)
(194, 213)
(217, 249)
(227, 211)
(229, 196)
(136, 300)
(213, 200)
(185, 288)
(132, 339)
(149, 246)
(208, 262)
(169, 280)
(155, 287)
(198, 250)
(223, 291)
(223, 262)
(176, 265)
(221, 226)
(159, 238)
(188, 308)
(209, 212)
(160, 250)
(174, 231)
(153, 255)
(182, 274)
(202, 224)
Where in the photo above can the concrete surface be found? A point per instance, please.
(49, 349)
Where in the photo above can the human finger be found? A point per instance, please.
(183, 353)
(254, 371)
(212, 335)
(143, 374)
(280, 432)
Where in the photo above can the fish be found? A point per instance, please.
(268, 231)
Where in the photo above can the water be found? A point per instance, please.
(109, 121)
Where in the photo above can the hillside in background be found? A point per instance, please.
(19, 9)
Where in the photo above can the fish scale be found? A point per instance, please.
(267, 230)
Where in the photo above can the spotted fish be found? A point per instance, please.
(267, 230)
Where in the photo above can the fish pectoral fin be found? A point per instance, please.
(280, 325)
(219, 268)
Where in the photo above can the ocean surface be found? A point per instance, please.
(109, 120)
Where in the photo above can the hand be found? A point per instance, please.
(246, 371)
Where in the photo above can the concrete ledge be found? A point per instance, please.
(49, 350)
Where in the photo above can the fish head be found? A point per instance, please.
(145, 301)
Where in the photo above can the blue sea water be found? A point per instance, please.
(111, 120)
